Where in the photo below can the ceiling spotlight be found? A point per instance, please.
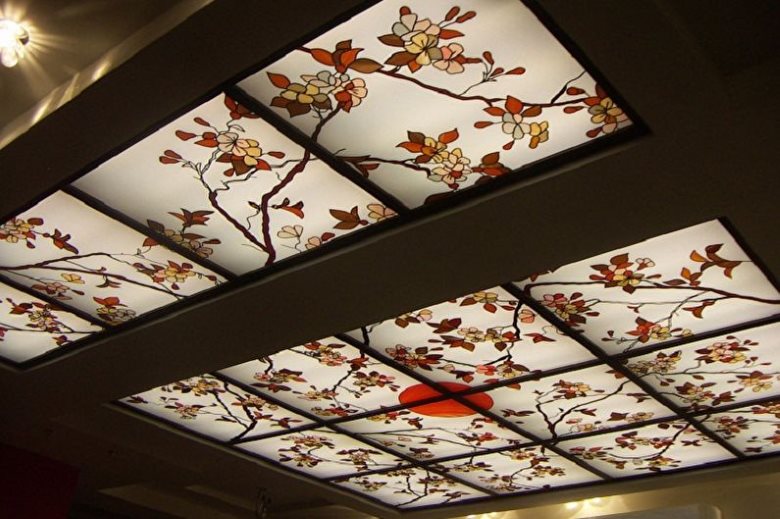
(13, 38)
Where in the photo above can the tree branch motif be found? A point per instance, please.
(418, 43)
(711, 373)
(248, 161)
(636, 450)
(648, 290)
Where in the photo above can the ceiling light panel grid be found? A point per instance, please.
(508, 391)
(288, 163)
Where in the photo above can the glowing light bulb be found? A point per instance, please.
(13, 38)
(572, 505)
(595, 501)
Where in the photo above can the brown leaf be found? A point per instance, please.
(532, 111)
(399, 59)
(365, 65)
(392, 40)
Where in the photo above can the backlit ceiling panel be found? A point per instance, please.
(457, 104)
(530, 386)
(402, 105)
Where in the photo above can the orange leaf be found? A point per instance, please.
(695, 256)
(279, 80)
(513, 105)
(323, 56)
(448, 137)
(516, 71)
(483, 124)
(496, 111)
(448, 34)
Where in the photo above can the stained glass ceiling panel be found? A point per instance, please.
(72, 253)
(753, 430)
(410, 488)
(653, 448)
(226, 185)
(327, 378)
(456, 104)
(322, 452)
(423, 409)
(477, 339)
(30, 327)
(687, 282)
(722, 370)
(526, 469)
(403, 104)
(426, 434)
(215, 408)
(579, 401)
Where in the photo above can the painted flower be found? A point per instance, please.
(17, 229)
(308, 94)
(246, 149)
(694, 394)
(203, 386)
(379, 212)
(43, 319)
(572, 389)
(173, 273)
(196, 245)
(662, 363)
(187, 412)
(417, 358)
(757, 381)
(453, 170)
(485, 297)
(448, 61)
(326, 81)
(472, 334)
(351, 93)
(114, 314)
(607, 114)
(725, 352)
(512, 124)
(290, 232)
(410, 26)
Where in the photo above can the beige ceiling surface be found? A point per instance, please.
(712, 153)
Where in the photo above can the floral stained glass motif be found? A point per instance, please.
(30, 327)
(429, 436)
(519, 470)
(477, 339)
(482, 396)
(576, 402)
(737, 367)
(653, 448)
(229, 187)
(686, 282)
(74, 254)
(209, 406)
(327, 378)
(753, 429)
(410, 487)
(321, 452)
(456, 105)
